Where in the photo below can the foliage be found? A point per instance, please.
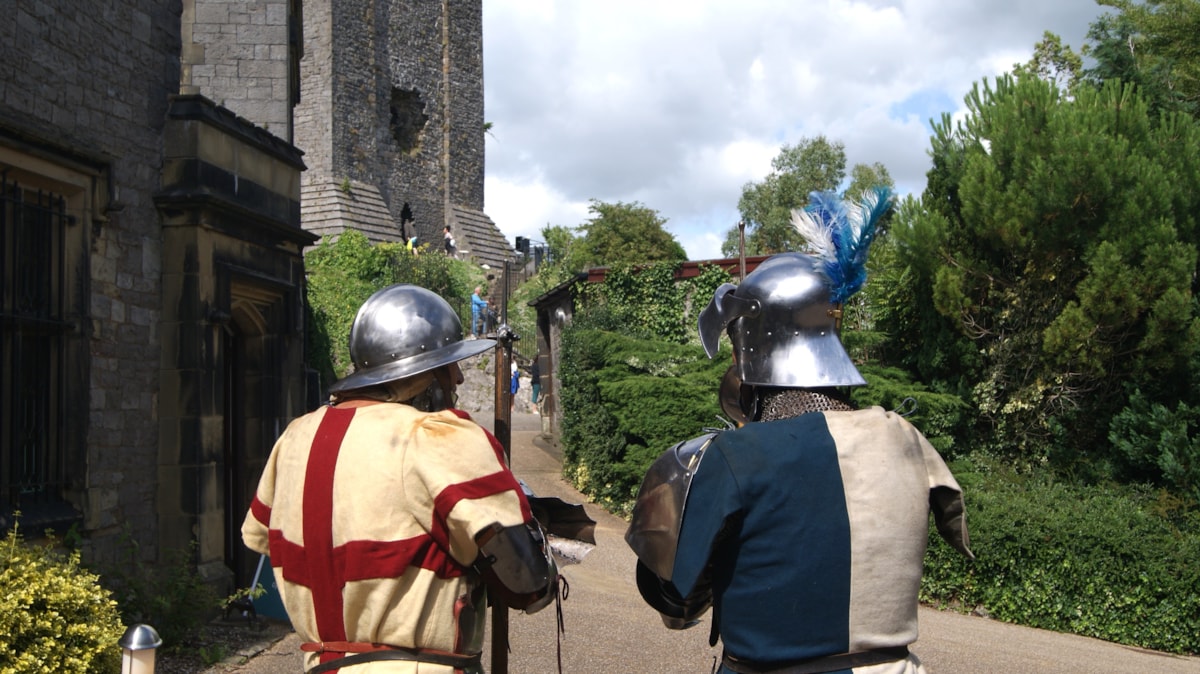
(624, 234)
(1150, 44)
(812, 164)
(243, 596)
(634, 380)
(1058, 236)
(625, 400)
(649, 300)
(54, 614)
(343, 273)
(1116, 563)
(865, 177)
(171, 596)
(564, 258)
(939, 416)
(1053, 62)
(1159, 444)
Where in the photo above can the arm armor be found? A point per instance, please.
(678, 612)
(516, 564)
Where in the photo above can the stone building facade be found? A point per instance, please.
(152, 185)
(151, 271)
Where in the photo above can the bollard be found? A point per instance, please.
(138, 645)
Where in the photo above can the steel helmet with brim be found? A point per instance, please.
(401, 331)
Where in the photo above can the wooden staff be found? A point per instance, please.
(502, 429)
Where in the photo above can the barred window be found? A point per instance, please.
(40, 423)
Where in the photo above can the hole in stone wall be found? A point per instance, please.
(408, 118)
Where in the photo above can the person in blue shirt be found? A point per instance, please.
(514, 385)
(478, 313)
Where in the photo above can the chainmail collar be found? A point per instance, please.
(792, 402)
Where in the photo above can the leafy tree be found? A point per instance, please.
(624, 234)
(865, 177)
(1053, 62)
(813, 164)
(563, 260)
(1059, 237)
(1151, 44)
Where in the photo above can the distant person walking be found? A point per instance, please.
(478, 312)
(514, 386)
(450, 244)
(535, 380)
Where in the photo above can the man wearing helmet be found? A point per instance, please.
(804, 529)
(386, 513)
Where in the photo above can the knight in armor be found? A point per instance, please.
(387, 514)
(804, 528)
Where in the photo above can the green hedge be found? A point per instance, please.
(1113, 562)
(940, 416)
(625, 401)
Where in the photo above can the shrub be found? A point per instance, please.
(1112, 562)
(1159, 443)
(171, 597)
(940, 416)
(626, 400)
(343, 273)
(54, 615)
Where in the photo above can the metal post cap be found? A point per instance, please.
(139, 638)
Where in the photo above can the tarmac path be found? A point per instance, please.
(609, 630)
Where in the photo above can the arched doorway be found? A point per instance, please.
(250, 401)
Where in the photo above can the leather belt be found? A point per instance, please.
(828, 663)
(361, 653)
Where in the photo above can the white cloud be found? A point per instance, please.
(678, 104)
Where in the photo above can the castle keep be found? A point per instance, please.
(391, 122)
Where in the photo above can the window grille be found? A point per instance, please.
(33, 327)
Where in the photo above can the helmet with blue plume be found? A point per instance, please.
(783, 317)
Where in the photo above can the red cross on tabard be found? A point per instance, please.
(325, 569)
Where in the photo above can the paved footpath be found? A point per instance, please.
(609, 630)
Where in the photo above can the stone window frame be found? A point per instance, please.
(51, 500)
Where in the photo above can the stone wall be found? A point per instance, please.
(392, 97)
(90, 88)
(140, 436)
(237, 52)
(465, 107)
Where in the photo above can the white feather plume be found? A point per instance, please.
(817, 237)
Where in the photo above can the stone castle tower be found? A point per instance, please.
(391, 122)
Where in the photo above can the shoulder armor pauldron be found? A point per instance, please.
(658, 512)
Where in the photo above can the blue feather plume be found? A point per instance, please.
(840, 232)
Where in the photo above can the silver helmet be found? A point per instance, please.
(401, 331)
(783, 325)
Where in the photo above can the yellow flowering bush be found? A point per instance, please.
(54, 615)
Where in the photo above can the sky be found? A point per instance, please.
(678, 104)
